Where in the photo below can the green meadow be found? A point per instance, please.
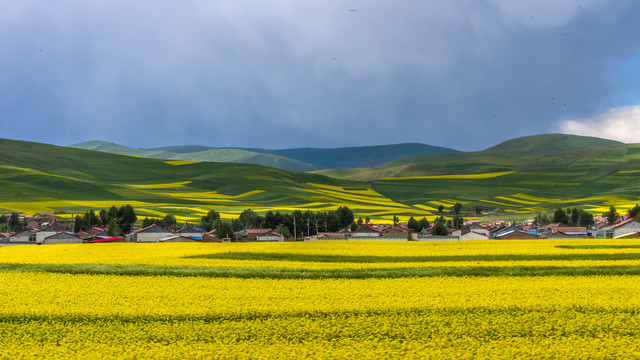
(38, 177)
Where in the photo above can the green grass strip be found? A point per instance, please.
(296, 273)
(324, 258)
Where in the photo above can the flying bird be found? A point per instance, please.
(353, 9)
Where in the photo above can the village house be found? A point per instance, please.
(190, 232)
(473, 231)
(514, 232)
(62, 238)
(150, 234)
(619, 230)
(23, 237)
(331, 236)
(51, 229)
(366, 231)
(250, 234)
(271, 235)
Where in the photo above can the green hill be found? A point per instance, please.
(301, 159)
(114, 148)
(582, 173)
(182, 149)
(550, 144)
(38, 177)
(360, 156)
(201, 153)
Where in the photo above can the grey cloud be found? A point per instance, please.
(313, 73)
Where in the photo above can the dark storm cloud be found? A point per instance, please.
(313, 73)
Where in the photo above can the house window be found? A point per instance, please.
(32, 237)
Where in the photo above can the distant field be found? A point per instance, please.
(39, 177)
(480, 299)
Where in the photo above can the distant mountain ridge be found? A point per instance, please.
(298, 159)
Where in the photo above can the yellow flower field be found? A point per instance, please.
(450, 177)
(52, 313)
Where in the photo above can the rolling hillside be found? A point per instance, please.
(361, 156)
(544, 151)
(301, 160)
(38, 177)
(550, 144)
(201, 153)
(593, 177)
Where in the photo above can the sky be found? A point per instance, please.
(318, 73)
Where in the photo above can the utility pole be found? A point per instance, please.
(294, 227)
(308, 233)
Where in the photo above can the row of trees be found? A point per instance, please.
(580, 217)
(572, 217)
(117, 220)
(13, 223)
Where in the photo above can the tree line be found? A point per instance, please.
(118, 221)
(13, 223)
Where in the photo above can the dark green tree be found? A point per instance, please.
(634, 212)
(168, 221)
(80, 223)
(237, 225)
(440, 208)
(104, 217)
(586, 219)
(575, 216)
(148, 222)
(414, 225)
(14, 222)
(250, 218)
(353, 227)
(345, 215)
(271, 220)
(439, 229)
(284, 231)
(424, 223)
(113, 214)
(113, 229)
(611, 215)
(396, 220)
(91, 218)
(560, 216)
(542, 220)
(225, 230)
(128, 219)
(456, 208)
(458, 222)
(332, 221)
(210, 221)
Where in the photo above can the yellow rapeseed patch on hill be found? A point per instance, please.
(161, 186)
(452, 177)
(180, 162)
